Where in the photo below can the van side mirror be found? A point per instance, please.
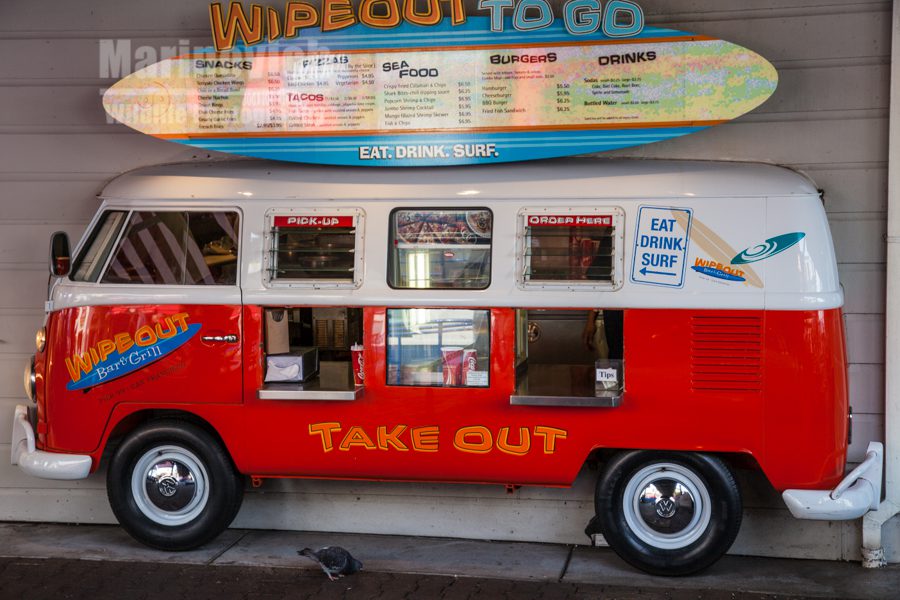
(60, 259)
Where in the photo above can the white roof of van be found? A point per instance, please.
(245, 180)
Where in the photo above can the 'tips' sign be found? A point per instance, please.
(660, 246)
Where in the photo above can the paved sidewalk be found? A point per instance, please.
(49, 561)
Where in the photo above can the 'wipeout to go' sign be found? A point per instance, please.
(617, 19)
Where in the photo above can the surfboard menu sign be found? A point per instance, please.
(443, 95)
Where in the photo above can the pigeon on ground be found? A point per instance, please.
(334, 560)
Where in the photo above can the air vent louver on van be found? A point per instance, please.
(726, 353)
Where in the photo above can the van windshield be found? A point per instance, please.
(94, 254)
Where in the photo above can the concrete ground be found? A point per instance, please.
(86, 561)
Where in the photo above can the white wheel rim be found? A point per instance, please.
(170, 485)
(667, 506)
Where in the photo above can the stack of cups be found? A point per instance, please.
(356, 358)
(451, 359)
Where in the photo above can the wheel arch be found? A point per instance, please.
(735, 460)
(120, 427)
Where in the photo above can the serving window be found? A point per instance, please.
(315, 248)
(573, 248)
(438, 347)
(440, 248)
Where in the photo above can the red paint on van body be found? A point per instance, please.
(198, 373)
(769, 384)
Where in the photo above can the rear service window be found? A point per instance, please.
(438, 347)
(176, 248)
(315, 249)
(580, 248)
(440, 248)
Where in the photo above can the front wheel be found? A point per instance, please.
(668, 513)
(172, 486)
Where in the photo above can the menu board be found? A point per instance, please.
(443, 105)
(443, 227)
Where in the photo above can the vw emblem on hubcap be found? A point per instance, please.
(665, 507)
(167, 486)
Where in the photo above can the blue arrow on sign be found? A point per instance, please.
(644, 271)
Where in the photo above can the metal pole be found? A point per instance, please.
(873, 523)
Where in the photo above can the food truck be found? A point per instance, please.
(236, 321)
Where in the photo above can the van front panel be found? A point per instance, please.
(158, 355)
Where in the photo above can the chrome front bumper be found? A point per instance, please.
(857, 494)
(37, 463)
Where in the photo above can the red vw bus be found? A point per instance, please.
(203, 333)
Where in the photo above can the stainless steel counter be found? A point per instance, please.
(561, 385)
(334, 383)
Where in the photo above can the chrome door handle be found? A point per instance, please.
(229, 339)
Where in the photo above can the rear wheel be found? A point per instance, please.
(668, 513)
(172, 486)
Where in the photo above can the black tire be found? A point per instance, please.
(680, 531)
(196, 491)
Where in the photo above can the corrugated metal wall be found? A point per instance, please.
(828, 118)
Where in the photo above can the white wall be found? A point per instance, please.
(828, 117)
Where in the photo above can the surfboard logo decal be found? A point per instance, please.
(768, 248)
(712, 268)
(111, 359)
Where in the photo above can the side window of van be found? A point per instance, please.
(573, 248)
(440, 248)
(176, 248)
(438, 347)
(314, 248)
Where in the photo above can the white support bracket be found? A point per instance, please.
(858, 493)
